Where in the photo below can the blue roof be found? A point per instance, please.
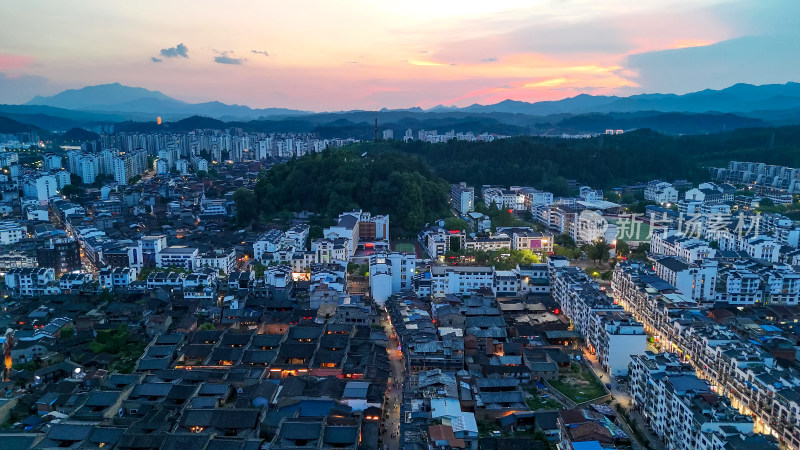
(588, 445)
(315, 408)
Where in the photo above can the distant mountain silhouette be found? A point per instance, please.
(707, 111)
(117, 98)
(739, 98)
(12, 126)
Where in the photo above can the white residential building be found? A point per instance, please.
(739, 368)
(590, 226)
(182, 166)
(28, 282)
(671, 243)
(697, 281)
(177, 256)
(460, 279)
(437, 240)
(523, 238)
(41, 187)
(328, 251)
(116, 277)
(682, 408)
(462, 198)
(219, 259)
(87, 168)
(661, 192)
(128, 165)
(392, 273)
(609, 332)
(346, 228)
(51, 161)
(11, 232)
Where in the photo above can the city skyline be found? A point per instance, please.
(322, 56)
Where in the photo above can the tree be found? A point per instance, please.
(390, 183)
(623, 249)
(70, 189)
(105, 297)
(208, 326)
(641, 252)
(598, 251)
(314, 232)
(565, 240)
(640, 207)
(67, 332)
(571, 253)
(505, 218)
(765, 202)
(259, 269)
(455, 223)
(455, 243)
(246, 206)
(110, 341)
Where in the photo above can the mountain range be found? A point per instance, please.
(119, 99)
(741, 105)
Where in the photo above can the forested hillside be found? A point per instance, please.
(601, 162)
(331, 182)
(409, 181)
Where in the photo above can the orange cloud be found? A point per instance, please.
(417, 62)
(552, 82)
(686, 43)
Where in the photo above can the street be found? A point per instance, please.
(622, 396)
(394, 394)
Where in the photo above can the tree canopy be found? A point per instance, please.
(600, 162)
(331, 182)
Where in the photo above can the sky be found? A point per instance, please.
(329, 55)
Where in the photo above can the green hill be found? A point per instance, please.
(600, 162)
(12, 126)
(334, 181)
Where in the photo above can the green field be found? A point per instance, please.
(631, 231)
(536, 402)
(579, 385)
(404, 247)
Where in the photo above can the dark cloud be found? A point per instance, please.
(260, 52)
(491, 59)
(227, 57)
(179, 50)
(224, 59)
(156, 60)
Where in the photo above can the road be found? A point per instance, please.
(618, 391)
(394, 393)
(622, 396)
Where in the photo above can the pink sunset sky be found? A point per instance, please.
(325, 55)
